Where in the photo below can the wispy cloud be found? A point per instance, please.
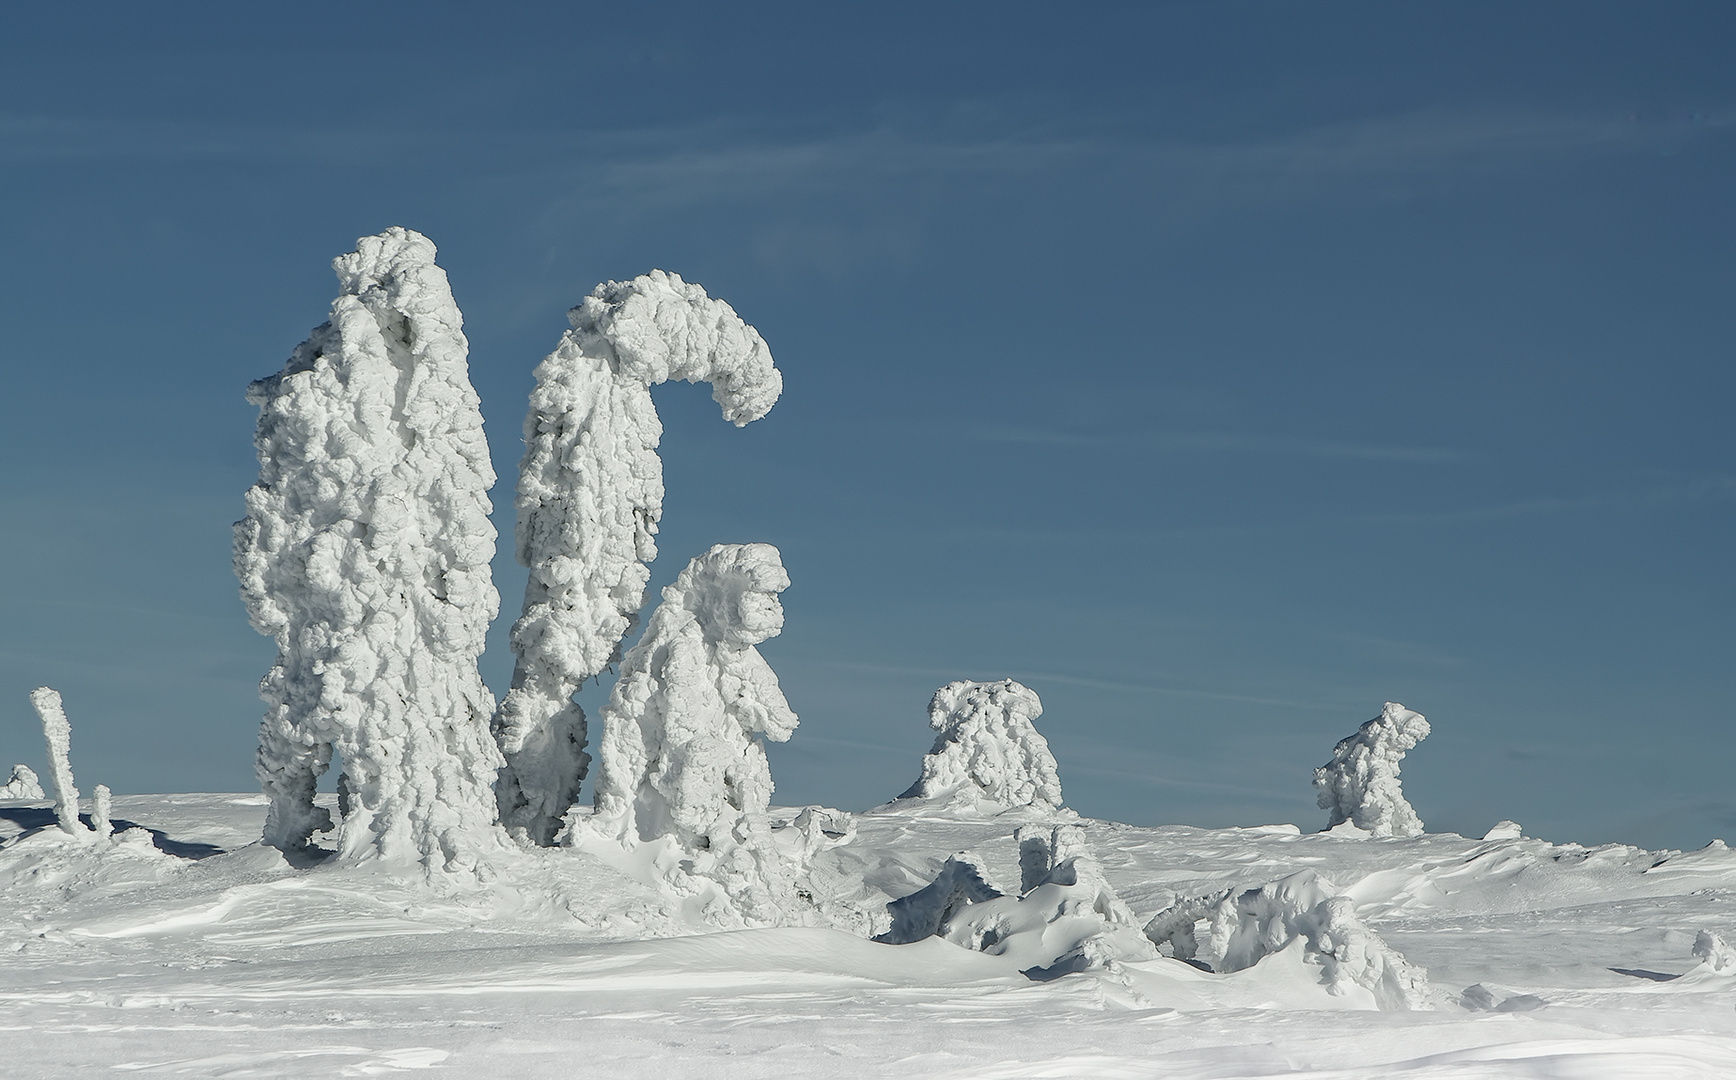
(1214, 442)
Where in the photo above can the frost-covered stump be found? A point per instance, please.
(590, 494)
(988, 747)
(681, 758)
(365, 554)
(1360, 784)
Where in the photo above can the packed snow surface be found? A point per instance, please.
(590, 496)
(365, 555)
(1360, 785)
(184, 947)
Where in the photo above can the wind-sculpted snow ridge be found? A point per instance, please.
(1066, 919)
(57, 734)
(681, 764)
(1360, 784)
(988, 747)
(365, 554)
(22, 784)
(590, 495)
(1233, 930)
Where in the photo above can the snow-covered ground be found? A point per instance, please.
(193, 950)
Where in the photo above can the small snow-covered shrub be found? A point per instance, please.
(22, 784)
(988, 747)
(1360, 784)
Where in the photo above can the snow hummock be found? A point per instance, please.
(22, 784)
(988, 747)
(57, 733)
(1234, 929)
(590, 495)
(1360, 785)
(1714, 954)
(681, 764)
(365, 554)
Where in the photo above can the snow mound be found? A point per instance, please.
(1069, 919)
(590, 495)
(22, 784)
(1714, 954)
(988, 747)
(1360, 784)
(1233, 930)
(681, 762)
(365, 555)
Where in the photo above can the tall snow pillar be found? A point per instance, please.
(590, 494)
(57, 733)
(365, 555)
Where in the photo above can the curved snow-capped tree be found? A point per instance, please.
(988, 746)
(365, 555)
(590, 493)
(1360, 784)
(681, 755)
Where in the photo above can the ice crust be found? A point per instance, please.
(1360, 785)
(590, 496)
(22, 784)
(681, 762)
(1235, 929)
(365, 555)
(988, 747)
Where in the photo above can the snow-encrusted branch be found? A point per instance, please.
(590, 494)
(365, 554)
(681, 755)
(57, 733)
(1360, 784)
(988, 747)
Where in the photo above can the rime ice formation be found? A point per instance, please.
(1067, 918)
(681, 757)
(1360, 784)
(365, 555)
(23, 784)
(57, 733)
(101, 807)
(590, 494)
(1714, 955)
(1233, 930)
(962, 881)
(988, 747)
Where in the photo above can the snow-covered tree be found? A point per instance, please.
(988, 747)
(681, 755)
(365, 555)
(590, 493)
(57, 734)
(1360, 784)
(22, 784)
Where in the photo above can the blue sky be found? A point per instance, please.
(1221, 371)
